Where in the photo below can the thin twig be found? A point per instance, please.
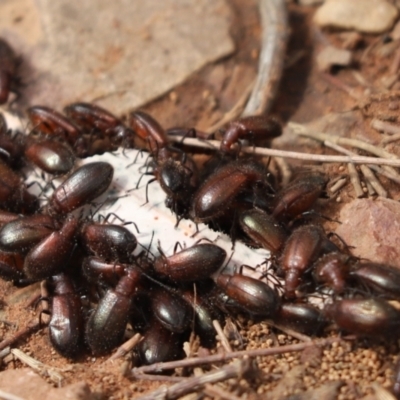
(30, 328)
(38, 366)
(126, 347)
(373, 181)
(195, 361)
(390, 139)
(370, 189)
(190, 385)
(383, 172)
(224, 341)
(384, 126)
(355, 180)
(338, 185)
(284, 168)
(152, 377)
(294, 155)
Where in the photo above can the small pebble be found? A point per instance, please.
(369, 16)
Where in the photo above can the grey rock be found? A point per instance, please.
(372, 228)
(369, 16)
(123, 53)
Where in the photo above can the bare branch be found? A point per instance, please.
(195, 361)
(292, 154)
(190, 385)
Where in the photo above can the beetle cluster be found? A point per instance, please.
(154, 294)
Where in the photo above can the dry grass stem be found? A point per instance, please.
(384, 126)
(38, 366)
(355, 180)
(390, 139)
(221, 335)
(373, 181)
(383, 172)
(338, 185)
(126, 347)
(284, 169)
(359, 144)
(370, 178)
(153, 377)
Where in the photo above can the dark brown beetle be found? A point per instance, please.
(381, 278)
(178, 176)
(109, 242)
(255, 127)
(170, 310)
(302, 248)
(93, 118)
(21, 234)
(53, 253)
(97, 270)
(364, 317)
(51, 122)
(298, 197)
(160, 345)
(106, 326)
(189, 265)
(301, 317)
(263, 229)
(8, 68)
(204, 314)
(253, 295)
(13, 193)
(216, 196)
(175, 171)
(51, 156)
(332, 270)
(66, 321)
(81, 187)
(149, 130)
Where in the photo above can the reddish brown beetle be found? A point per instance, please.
(81, 187)
(189, 265)
(255, 128)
